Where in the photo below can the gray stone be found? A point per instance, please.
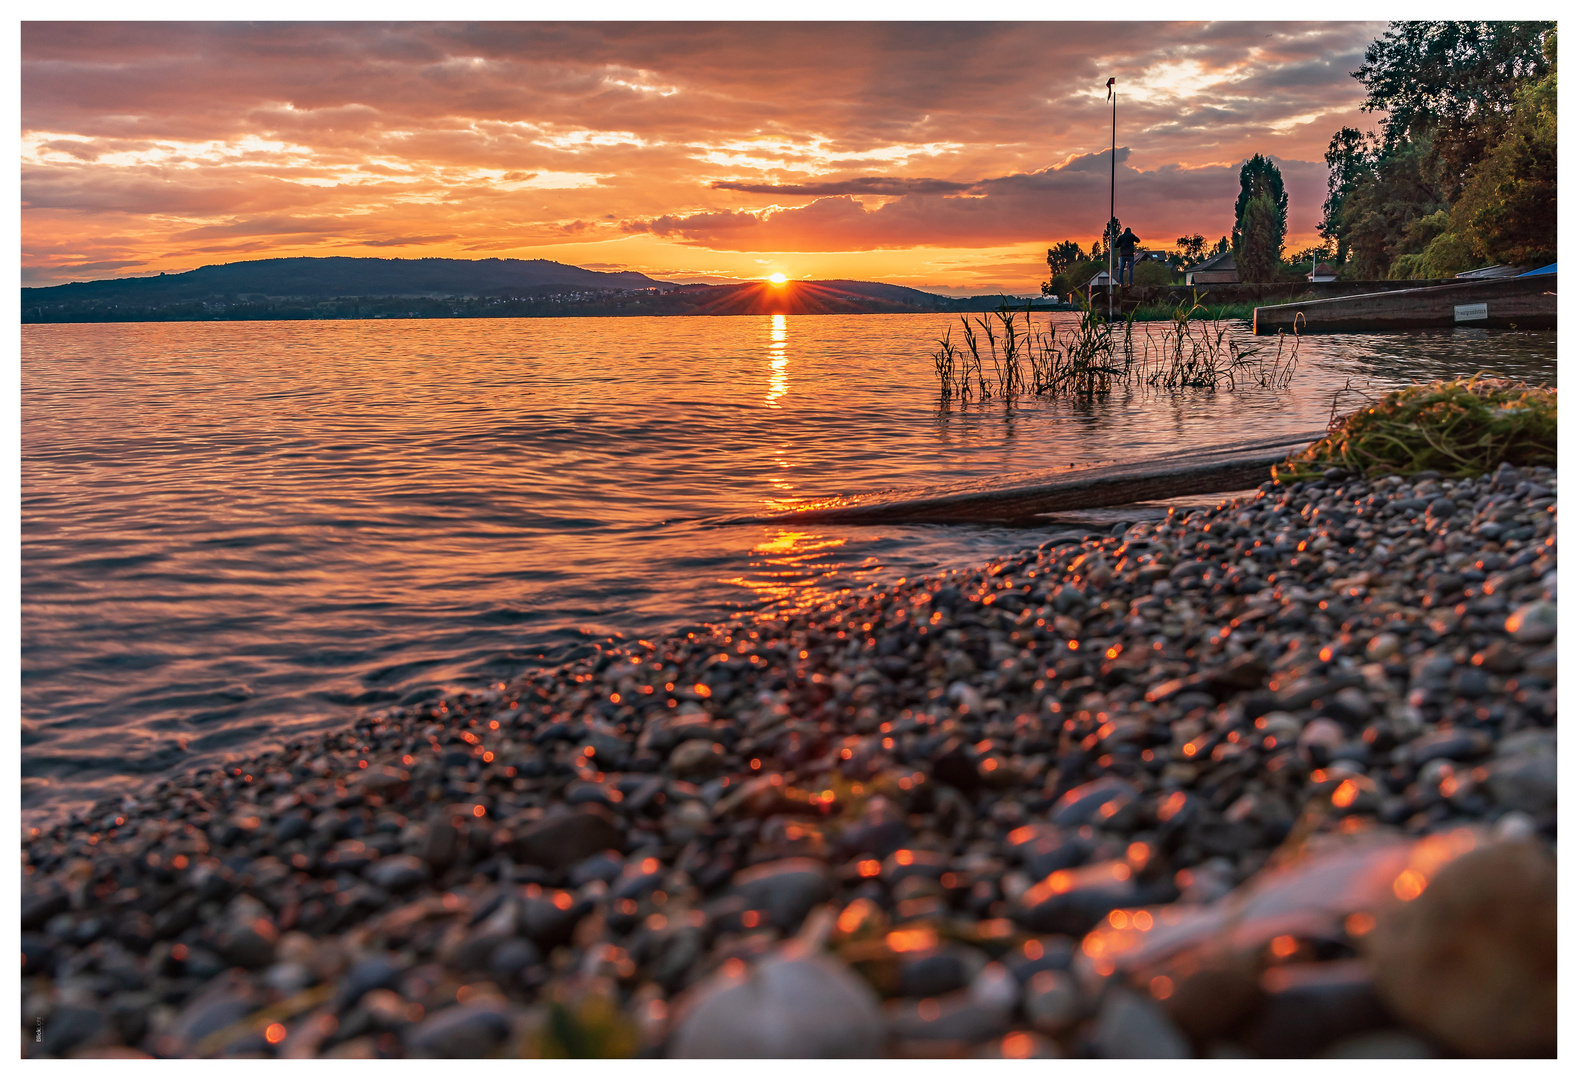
(1073, 901)
(793, 1004)
(786, 889)
(1080, 805)
(1524, 782)
(221, 1005)
(1052, 1000)
(1471, 960)
(1543, 665)
(440, 844)
(397, 873)
(68, 1027)
(696, 757)
(1381, 1044)
(1309, 1006)
(562, 840)
(1132, 1026)
(1533, 624)
(473, 1030)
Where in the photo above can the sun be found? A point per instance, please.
(778, 278)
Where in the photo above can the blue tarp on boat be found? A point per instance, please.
(1551, 269)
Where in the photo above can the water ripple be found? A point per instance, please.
(235, 533)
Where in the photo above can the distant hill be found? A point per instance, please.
(354, 288)
(336, 276)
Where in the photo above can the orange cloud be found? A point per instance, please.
(884, 149)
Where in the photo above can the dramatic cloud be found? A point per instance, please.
(860, 185)
(688, 150)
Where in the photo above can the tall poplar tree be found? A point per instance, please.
(1258, 251)
(1260, 231)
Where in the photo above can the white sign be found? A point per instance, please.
(1469, 312)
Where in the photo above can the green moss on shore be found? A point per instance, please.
(1458, 427)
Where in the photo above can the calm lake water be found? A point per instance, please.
(234, 533)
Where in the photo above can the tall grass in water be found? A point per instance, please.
(1195, 351)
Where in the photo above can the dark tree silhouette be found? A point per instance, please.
(1260, 176)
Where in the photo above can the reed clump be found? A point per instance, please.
(1004, 354)
(1458, 427)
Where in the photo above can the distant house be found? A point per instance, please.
(1217, 270)
(1323, 272)
(1097, 282)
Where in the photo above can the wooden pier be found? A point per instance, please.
(1506, 303)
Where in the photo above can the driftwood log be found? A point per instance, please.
(1022, 498)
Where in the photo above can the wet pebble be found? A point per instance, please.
(1147, 793)
(1470, 958)
(1130, 1025)
(786, 890)
(397, 873)
(562, 840)
(472, 1030)
(790, 1005)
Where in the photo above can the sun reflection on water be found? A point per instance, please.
(777, 362)
(788, 569)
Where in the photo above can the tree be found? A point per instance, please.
(1453, 80)
(1075, 277)
(1110, 235)
(1059, 260)
(1430, 249)
(1507, 211)
(1063, 256)
(1464, 171)
(1192, 248)
(1259, 176)
(1376, 215)
(1154, 272)
(1220, 246)
(1350, 159)
(1260, 232)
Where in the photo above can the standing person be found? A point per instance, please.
(1125, 245)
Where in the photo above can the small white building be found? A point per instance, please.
(1323, 272)
(1099, 282)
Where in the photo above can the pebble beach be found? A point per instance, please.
(1274, 779)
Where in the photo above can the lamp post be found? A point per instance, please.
(1112, 189)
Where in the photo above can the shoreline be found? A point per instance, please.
(951, 817)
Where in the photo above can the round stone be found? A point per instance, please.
(1471, 960)
(696, 757)
(794, 1004)
(1533, 624)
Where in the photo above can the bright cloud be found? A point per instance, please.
(933, 154)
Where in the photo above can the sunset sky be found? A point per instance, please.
(945, 156)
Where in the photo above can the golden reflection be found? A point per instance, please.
(777, 362)
(788, 568)
(782, 461)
